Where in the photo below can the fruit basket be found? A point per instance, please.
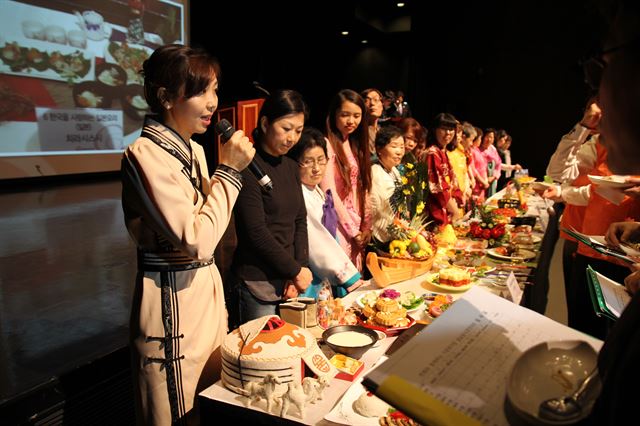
(390, 270)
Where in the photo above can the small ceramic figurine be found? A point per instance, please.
(255, 391)
(296, 396)
(314, 388)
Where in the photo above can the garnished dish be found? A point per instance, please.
(408, 300)
(440, 303)
(613, 181)
(358, 406)
(511, 253)
(133, 102)
(130, 57)
(454, 278)
(33, 58)
(111, 75)
(90, 94)
(383, 311)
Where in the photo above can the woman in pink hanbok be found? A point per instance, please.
(348, 173)
(479, 168)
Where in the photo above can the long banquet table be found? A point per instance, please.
(217, 401)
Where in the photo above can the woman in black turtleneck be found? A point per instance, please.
(271, 259)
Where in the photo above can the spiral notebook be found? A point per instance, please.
(609, 298)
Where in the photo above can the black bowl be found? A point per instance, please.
(133, 102)
(112, 76)
(523, 220)
(90, 94)
(352, 351)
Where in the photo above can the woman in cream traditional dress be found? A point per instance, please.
(176, 215)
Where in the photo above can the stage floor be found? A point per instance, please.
(67, 269)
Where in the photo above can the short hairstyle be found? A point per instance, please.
(366, 92)
(386, 134)
(446, 121)
(310, 138)
(182, 71)
(410, 125)
(280, 104)
(468, 130)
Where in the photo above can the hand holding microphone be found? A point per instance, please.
(228, 133)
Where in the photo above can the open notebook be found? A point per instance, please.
(455, 371)
(609, 298)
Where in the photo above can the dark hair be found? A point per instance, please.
(386, 134)
(490, 130)
(446, 121)
(479, 133)
(412, 126)
(310, 138)
(365, 92)
(181, 70)
(280, 104)
(359, 140)
(500, 134)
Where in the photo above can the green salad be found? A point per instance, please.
(409, 301)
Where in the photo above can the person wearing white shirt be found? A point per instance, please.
(327, 260)
(385, 177)
(575, 155)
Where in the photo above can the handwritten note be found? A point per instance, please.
(464, 358)
(79, 129)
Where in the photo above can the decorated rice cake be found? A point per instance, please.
(270, 346)
(454, 277)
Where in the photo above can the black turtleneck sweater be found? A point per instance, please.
(271, 227)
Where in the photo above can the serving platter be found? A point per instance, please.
(51, 61)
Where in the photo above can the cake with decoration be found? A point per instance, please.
(270, 346)
(455, 277)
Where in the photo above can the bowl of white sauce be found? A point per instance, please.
(350, 340)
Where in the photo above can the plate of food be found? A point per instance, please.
(507, 253)
(613, 181)
(408, 300)
(455, 279)
(480, 271)
(542, 186)
(128, 56)
(439, 304)
(360, 407)
(525, 179)
(33, 58)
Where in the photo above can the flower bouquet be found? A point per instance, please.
(412, 248)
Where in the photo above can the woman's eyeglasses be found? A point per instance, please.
(310, 162)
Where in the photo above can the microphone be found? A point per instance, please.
(226, 130)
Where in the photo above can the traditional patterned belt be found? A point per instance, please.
(168, 262)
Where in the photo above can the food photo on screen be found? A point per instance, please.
(70, 82)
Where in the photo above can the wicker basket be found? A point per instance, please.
(389, 270)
